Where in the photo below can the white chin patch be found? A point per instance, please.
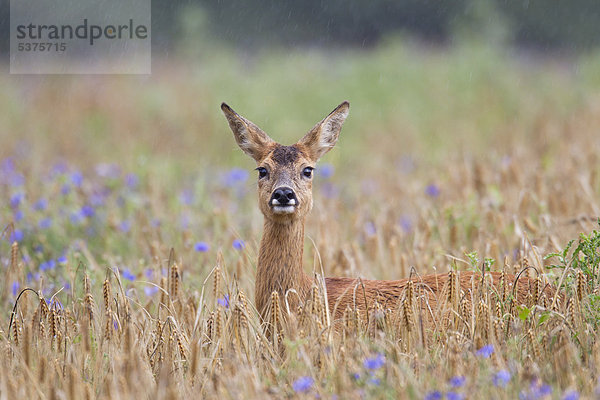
(283, 209)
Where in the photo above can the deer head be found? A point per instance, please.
(285, 172)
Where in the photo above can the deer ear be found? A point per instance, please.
(320, 139)
(251, 139)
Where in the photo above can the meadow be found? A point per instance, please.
(130, 227)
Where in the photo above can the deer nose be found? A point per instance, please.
(283, 196)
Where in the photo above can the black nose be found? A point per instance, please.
(283, 196)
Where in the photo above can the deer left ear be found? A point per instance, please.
(320, 139)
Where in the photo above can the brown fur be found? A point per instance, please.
(280, 256)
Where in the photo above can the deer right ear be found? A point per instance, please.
(320, 139)
(251, 139)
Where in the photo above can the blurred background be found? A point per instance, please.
(473, 119)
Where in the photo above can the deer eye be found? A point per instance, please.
(307, 172)
(262, 172)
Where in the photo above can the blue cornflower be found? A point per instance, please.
(356, 376)
(125, 226)
(374, 363)
(45, 223)
(16, 236)
(201, 247)
(457, 381)
(501, 378)
(150, 290)
(571, 395)
(235, 176)
(223, 301)
(61, 260)
(486, 351)
(186, 197)
(128, 275)
(131, 180)
(16, 199)
(406, 224)
(17, 180)
(303, 384)
(41, 204)
(536, 391)
(77, 179)
(325, 170)
(15, 288)
(435, 395)
(374, 381)
(106, 170)
(88, 211)
(19, 215)
(370, 229)
(432, 191)
(149, 272)
(454, 396)
(238, 244)
(7, 166)
(65, 189)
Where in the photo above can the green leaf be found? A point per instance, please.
(524, 313)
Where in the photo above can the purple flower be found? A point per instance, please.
(201, 247)
(406, 224)
(325, 170)
(186, 197)
(501, 378)
(149, 272)
(76, 218)
(150, 290)
(235, 176)
(435, 395)
(65, 189)
(41, 204)
(17, 180)
(374, 381)
(61, 260)
(303, 384)
(224, 301)
(486, 351)
(571, 395)
(125, 226)
(131, 180)
(47, 265)
(356, 376)
(45, 223)
(16, 199)
(18, 215)
(370, 229)
(77, 179)
(7, 166)
(432, 191)
(457, 381)
(374, 363)
(128, 275)
(536, 391)
(88, 211)
(238, 244)
(16, 236)
(110, 171)
(454, 396)
(15, 288)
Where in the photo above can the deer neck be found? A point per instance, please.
(280, 264)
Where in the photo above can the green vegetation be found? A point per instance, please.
(459, 158)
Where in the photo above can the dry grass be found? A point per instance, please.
(122, 315)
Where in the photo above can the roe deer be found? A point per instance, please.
(285, 198)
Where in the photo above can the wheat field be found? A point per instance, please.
(130, 228)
